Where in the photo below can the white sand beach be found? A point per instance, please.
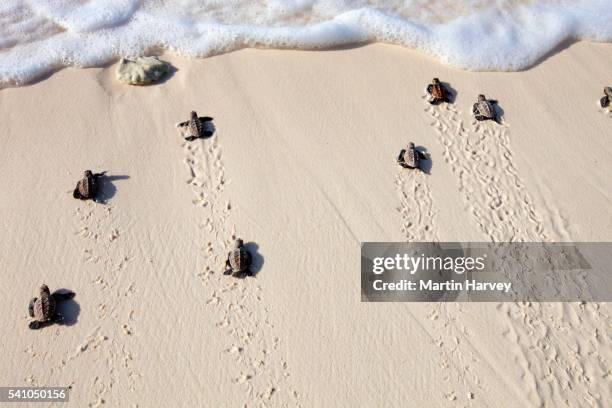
(302, 167)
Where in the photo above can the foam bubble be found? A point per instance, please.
(45, 35)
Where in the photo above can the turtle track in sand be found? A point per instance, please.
(481, 156)
(418, 225)
(106, 345)
(416, 206)
(554, 369)
(455, 354)
(464, 151)
(238, 304)
(493, 192)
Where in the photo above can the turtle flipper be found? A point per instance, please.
(400, 157)
(605, 102)
(35, 325)
(228, 268)
(63, 296)
(205, 119)
(240, 274)
(31, 306)
(432, 100)
(401, 161)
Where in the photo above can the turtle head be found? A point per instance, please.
(44, 290)
(481, 98)
(238, 243)
(410, 146)
(436, 81)
(608, 91)
(87, 173)
(194, 115)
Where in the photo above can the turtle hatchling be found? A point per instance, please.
(410, 158)
(239, 261)
(197, 127)
(43, 308)
(605, 101)
(87, 187)
(484, 109)
(437, 92)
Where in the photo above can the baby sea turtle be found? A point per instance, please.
(605, 101)
(438, 92)
(239, 261)
(484, 109)
(43, 309)
(87, 187)
(410, 158)
(196, 127)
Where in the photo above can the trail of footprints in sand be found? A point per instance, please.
(418, 224)
(418, 216)
(416, 206)
(492, 190)
(99, 233)
(457, 357)
(481, 157)
(238, 303)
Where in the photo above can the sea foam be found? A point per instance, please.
(39, 36)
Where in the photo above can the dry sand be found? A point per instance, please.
(302, 166)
